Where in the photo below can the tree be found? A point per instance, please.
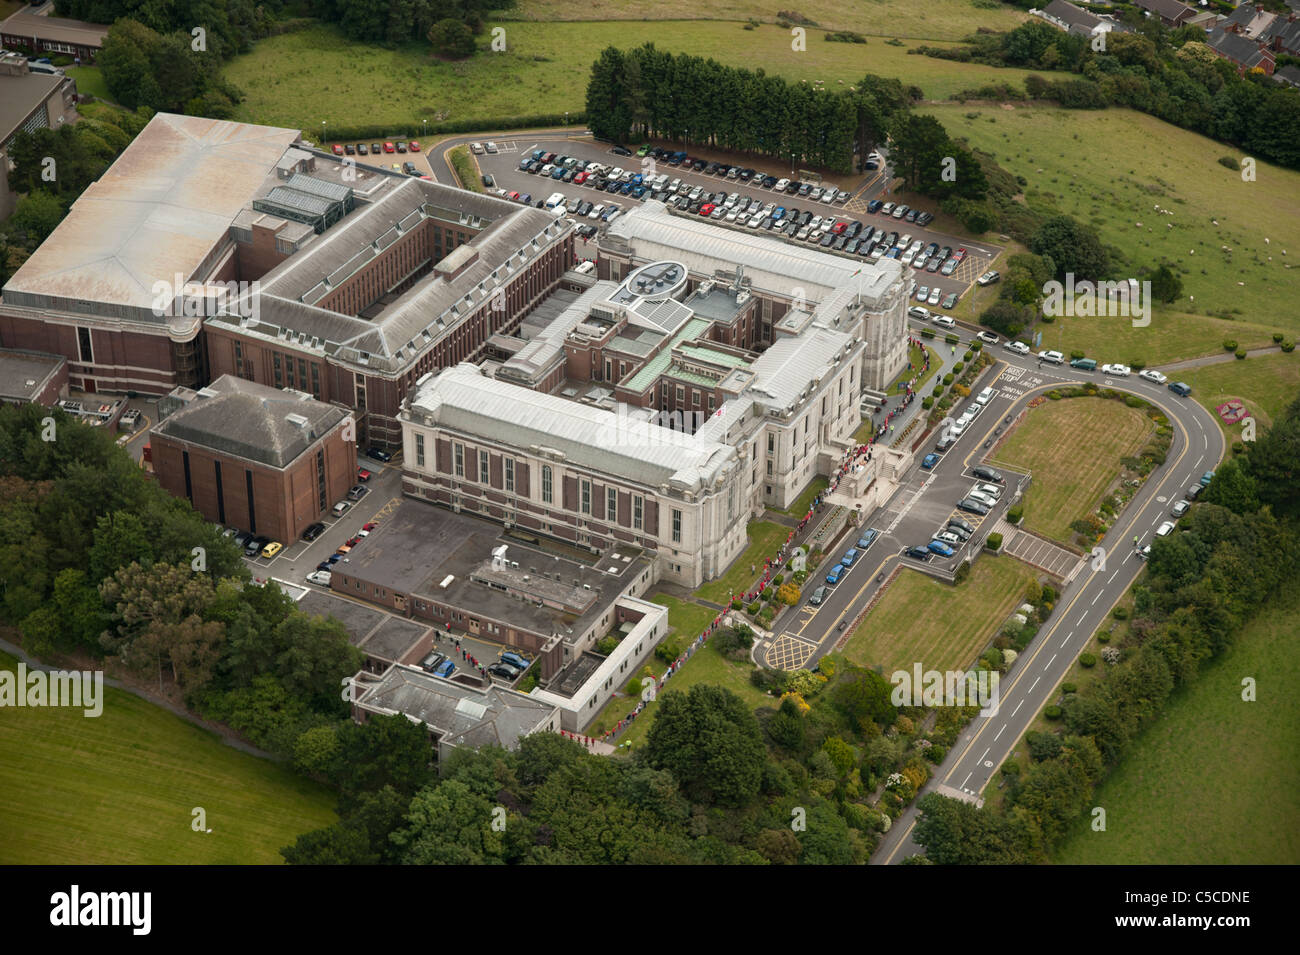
(38, 214)
(1233, 488)
(709, 740)
(449, 825)
(1074, 247)
(383, 751)
(1165, 285)
(452, 38)
(864, 696)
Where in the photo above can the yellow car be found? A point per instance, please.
(271, 549)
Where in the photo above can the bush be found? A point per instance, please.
(951, 338)
(1016, 512)
(1240, 353)
(1047, 319)
(1288, 346)
(994, 541)
(938, 390)
(1228, 162)
(927, 403)
(633, 687)
(605, 645)
(974, 347)
(1137, 364)
(947, 379)
(956, 369)
(753, 607)
(970, 354)
(962, 572)
(1052, 712)
(1120, 613)
(927, 333)
(1229, 345)
(1277, 337)
(1076, 355)
(1238, 447)
(1087, 660)
(1069, 688)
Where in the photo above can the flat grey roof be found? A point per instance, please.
(26, 24)
(19, 95)
(24, 373)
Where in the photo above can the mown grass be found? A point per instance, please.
(1148, 164)
(90, 80)
(765, 538)
(299, 79)
(120, 789)
(1267, 383)
(942, 627)
(1074, 447)
(1215, 781)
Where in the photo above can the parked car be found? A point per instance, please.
(949, 537)
(1118, 371)
(1052, 357)
(1084, 364)
(254, 545)
(986, 473)
(868, 538)
(818, 596)
(378, 453)
(989, 338)
(937, 546)
(929, 461)
(313, 531)
(917, 312)
(272, 548)
(341, 507)
(972, 506)
(1020, 348)
(514, 659)
(988, 278)
(321, 577)
(1192, 492)
(1180, 388)
(1165, 529)
(959, 523)
(1181, 508)
(1206, 478)
(1150, 374)
(849, 557)
(835, 574)
(950, 301)
(358, 492)
(503, 671)
(954, 534)
(918, 553)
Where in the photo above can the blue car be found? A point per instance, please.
(779, 213)
(1206, 478)
(445, 669)
(332, 559)
(638, 192)
(511, 657)
(849, 557)
(834, 576)
(874, 205)
(940, 548)
(929, 461)
(868, 538)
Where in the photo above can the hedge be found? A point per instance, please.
(470, 125)
(1087, 660)
(1229, 345)
(463, 167)
(993, 542)
(1015, 513)
(927, 333)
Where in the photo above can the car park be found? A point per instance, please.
(1150, 374)
(929, 461)
(1118, 371)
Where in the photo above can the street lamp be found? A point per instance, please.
(566, 117)
(424, 129)
(324, 136)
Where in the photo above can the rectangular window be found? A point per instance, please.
(419, 450)
(695, 398)
(677, 526)
(547, 495)
(484, 475)
(586, 497)
(611, 504)
(681, 395)
(510, 474)
(315, 380)
(711, 400)
(279, 372)
(459, 455)
(83, 345)
(637, 504)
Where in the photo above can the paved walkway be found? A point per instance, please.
(1215, 359)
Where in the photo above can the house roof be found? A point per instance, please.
(252, 421)
(1234, 46)
(57, 29)
(1072, 16)
(19, 97)
(1170, 10)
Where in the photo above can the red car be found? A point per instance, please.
(363, 474)
(370, 526)
(354, 542)
(515, 196)
(839, 227)
(389, 148)
(707, 209)
(579, 179)
(338, 150)
(415, 147)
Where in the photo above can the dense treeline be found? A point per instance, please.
(401, 20)
(1233, 552)
(230, 26)
(97, 559)
(163, 71)
(1170, 74)
(645, 92)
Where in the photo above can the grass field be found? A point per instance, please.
(942, 627)
(299, 79)
(1073, 446)
(1267, 383)
(1170, 337)
(1215, 781)
(765, 538)
(686, 620)
(1151, 163)
(936, 20)
(804, 501)
(90, 80)
(119, 789)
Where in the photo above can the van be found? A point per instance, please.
(984, 397)
(1180, 388)
(1084, 364)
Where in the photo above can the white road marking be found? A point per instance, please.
(1017, 709)
(1096, 598)
(981, 759)
(1082, 617)
(1049, 662)
(1114, 575)
(1004, 726)
(1031, 689)
(962, 787)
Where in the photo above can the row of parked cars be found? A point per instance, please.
(1178, 510)
(847, 560)
(509, 666)
(900, 211)
(744, 174)
(375, 149)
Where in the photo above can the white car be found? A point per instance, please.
(476, 148)
(490, 147)
(596, 212)
(782, 185)
(992, 490)
(943, 321)
(1020, 348)
(1117, 371)
(917, 311)
(983, 499)
(1165, 529)
(936, 293)
(1052, 357)
(321, 577)
(1152, 375)
(988, 338)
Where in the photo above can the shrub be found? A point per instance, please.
(1103, 636)
(605, 645)
(633, 686)
(962, 572)
(1076, 355)
(1087, 660)
(938, 390)
(778, 580)
(1288, 346)
(1137, 364)
(753, 607)
(951, 338)
(1016, 512)
(994, 541)
(1228, 162)
(1240, 353)
(927, 333)
(1069, 688)
(1238, 447)
(975, 346)
(1052, 712)
(1047, 319)
(969, 354)
(1120, 613)
(1277, 337)
(956, 369)
(947, 379)
(927, 403)
(669, 649)
(1229, 345)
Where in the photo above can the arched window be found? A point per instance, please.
(546, 484)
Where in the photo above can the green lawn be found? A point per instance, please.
(1267, 383)
(119, 789)
(687, 620)
(299, 79)
(1074, 447)
(90, 80)
(804, 501)
(1170, 337)
(1215, 781)
(936, 19)
(940, 626)
(917, 357)
(765, 538)
(1149, 163)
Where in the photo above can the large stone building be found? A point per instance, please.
(261, 459)
(640, 413)
(213, 248)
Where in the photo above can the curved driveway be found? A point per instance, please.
(1198, 445)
